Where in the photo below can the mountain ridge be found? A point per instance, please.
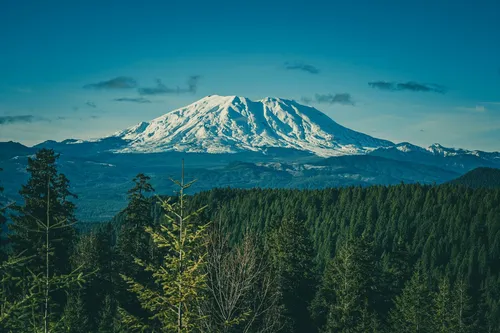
(228, 124)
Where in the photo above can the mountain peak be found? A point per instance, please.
(229, 124)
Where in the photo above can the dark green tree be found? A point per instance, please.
(461, 308)
(45, 183)
(76, 316)
(293, 258)
(93, 253)
(133, 242)
(344, 300)
(413, 308)
(442, 310)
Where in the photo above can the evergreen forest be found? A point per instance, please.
(407, 258)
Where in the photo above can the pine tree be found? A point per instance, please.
(442, 314)
(347, 289)
(108, 316)
(132, 240)
(412, 312)
(461, 316)
(368, 321)
(93, 253)
(47, 220)
(293, 259)
(181, 279)
(45, 182)
(76, 317)
(14, 306)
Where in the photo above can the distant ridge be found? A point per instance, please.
(479, 178)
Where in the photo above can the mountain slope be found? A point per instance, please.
(479, 178)
(458, 160)
(228, 124)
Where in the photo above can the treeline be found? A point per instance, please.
(406, 258)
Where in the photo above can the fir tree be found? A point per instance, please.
(14, 306)
(442, 314)
(293, 258)
(43, 218)
(76, 316)
(180, 278)
(93, 253)
(44, 187)
(108, 322)
(413, 308)
(347, 288)
(461, 316)
(133, 242)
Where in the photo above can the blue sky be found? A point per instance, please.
(417, 71)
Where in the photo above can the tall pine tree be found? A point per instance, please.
(344, 300)
(45, 183)
(413, 308)
(180, 279)
(293, 259)
(133, 242)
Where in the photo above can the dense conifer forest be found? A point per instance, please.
(480, 178)
(405, 258)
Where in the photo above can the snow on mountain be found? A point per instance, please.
(439, 150)
(228, 124)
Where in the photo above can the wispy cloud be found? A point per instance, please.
(306, 100)
(6, 120)
(407, 86)
(302, 67)
(162, 89)
(342, 98)
(121, 82)
(141, 100)
(91, 104)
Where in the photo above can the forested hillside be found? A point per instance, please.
(480, 177)
(405, 258)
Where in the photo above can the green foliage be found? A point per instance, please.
(443, 311)
(293, 258)
(480, 178)
(45, 186)
(256, 273)
(412, 311)
(180, 278)
(133, 242)
(13, 307)
(344, 300)
(76, 316)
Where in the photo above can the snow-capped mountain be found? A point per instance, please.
(229, 124)
(439, 150)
